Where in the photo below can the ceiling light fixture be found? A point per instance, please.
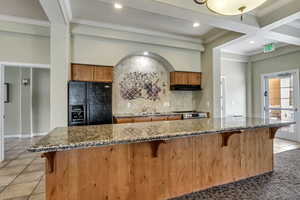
(252, 42)
(196, 24)
(231, 7)
(118, 6)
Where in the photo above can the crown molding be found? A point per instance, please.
(284, 50)
(136, 30)
(215, 36)
(66, 9)
(24, 20)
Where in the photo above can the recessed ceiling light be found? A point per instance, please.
(146, 53)
(118, 6)
(196, 24)
(252, 42)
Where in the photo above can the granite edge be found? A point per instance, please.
(90, 144)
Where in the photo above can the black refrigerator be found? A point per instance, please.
(90, 103)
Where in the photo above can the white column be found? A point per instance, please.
(59, 73)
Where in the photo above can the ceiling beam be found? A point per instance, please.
(54, 11)
(283, 15)
(187, 10)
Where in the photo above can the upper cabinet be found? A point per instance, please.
(80, 72)
(185, 80)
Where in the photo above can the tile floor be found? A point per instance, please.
(21, 174)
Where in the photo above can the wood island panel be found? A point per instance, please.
(184, 165)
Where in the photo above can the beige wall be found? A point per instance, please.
(268, 63)
(103, 51)
(40, 100)
(22, 48)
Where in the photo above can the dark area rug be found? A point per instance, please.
(282, 184)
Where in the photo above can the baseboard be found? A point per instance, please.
(25, 135)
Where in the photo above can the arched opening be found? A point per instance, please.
(141, 84)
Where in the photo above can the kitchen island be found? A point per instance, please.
(155, 160)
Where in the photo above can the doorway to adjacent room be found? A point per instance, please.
(280, 94)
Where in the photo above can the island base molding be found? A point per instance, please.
(177, 167)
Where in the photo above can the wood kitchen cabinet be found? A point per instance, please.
(179, 78)
(194, 78)
(103, 74)
(185, 79)
(80, 72)
(122, 120)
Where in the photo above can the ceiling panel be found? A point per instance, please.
(95, 10)
(247, 47)
(23, 8)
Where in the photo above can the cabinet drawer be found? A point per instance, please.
(142, 119)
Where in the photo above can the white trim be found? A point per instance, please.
(223, 88)
(24, 20)
(1, 113)
(25, 65)
(66, 9)
(135, 30)
(25, 135)
(214, 37)
(31, 105)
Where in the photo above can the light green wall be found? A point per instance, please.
(277, 63)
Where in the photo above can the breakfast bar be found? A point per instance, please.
(155, 160)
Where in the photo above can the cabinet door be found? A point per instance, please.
(82, 72)
(103, 74)
(142, 119)
(159, 118)
(194, 78)
(174, 117)
(179, 78)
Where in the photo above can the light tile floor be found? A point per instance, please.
(22, 173)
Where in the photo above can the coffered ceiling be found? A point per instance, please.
(275, 21)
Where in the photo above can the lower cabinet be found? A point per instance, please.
(123, 120)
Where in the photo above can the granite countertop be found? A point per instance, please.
(126, 115)
(68, 138)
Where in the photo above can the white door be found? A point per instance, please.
(281, 100)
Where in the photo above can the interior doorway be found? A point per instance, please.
(281, 100)
(25, 103)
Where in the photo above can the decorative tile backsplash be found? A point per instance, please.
(144, 85)
(141, 84)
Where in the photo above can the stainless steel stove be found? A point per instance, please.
(192, 114)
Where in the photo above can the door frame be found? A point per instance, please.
(2, 67)
(296, 95)
(1, 112)
(223, 95)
